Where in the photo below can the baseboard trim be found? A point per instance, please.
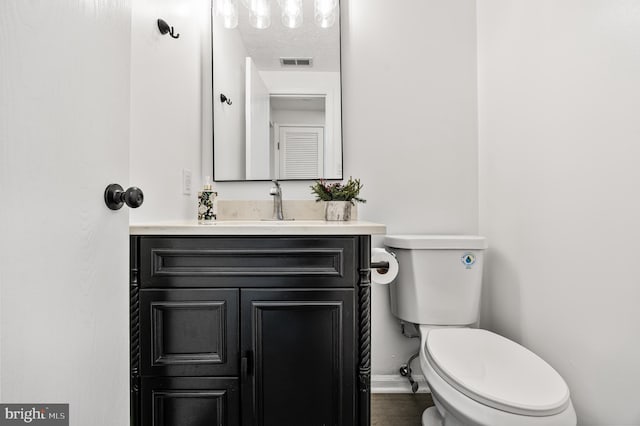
(393, 383)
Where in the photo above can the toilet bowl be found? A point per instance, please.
(478, 378)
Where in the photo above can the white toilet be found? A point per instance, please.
(476, 377)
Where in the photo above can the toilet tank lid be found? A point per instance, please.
(436, 242)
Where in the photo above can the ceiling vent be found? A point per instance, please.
(296, 62)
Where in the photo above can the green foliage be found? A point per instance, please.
(337, 191)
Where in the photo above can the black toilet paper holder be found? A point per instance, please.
(380, 265)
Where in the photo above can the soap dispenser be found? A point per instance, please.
(206, 203)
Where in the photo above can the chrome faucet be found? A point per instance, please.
(276, 191)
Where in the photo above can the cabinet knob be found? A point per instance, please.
(115, 197)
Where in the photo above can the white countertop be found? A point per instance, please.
(259, 227)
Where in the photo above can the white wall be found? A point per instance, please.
(559, 130)
(166, 111)
(410, 131)
(295, 116)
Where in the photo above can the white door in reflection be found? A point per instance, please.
(256, 125)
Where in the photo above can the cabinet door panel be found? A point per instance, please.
(190, 332)
(300, 354)
(190, 401)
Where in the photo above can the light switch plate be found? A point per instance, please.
(186, 181)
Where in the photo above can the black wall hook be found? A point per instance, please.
(224, 99)
(165, 28)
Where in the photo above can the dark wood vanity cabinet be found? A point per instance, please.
(269, 331)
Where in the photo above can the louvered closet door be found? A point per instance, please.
(301, 152)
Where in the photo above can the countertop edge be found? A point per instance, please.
(259, 228)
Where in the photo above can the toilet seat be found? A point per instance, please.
(496, 372)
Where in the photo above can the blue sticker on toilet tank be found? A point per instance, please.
(468, 259)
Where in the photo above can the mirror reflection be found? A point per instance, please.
(277, 110)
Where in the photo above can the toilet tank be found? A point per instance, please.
(439, 280)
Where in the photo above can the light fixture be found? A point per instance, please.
(291, 13)
(228, 11)
(259, 13)
(325, 12)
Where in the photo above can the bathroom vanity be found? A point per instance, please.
(251, 323)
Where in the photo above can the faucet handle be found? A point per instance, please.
(275, 189)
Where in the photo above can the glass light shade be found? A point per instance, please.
(291, 13)
(326, 21)
(260, 13)
(228, 11)
(325, 12)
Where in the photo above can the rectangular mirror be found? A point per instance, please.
(277, 107)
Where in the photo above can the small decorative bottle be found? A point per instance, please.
(206, 203)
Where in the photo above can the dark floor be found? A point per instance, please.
(398, 409)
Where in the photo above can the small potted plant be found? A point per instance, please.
(338, 197)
